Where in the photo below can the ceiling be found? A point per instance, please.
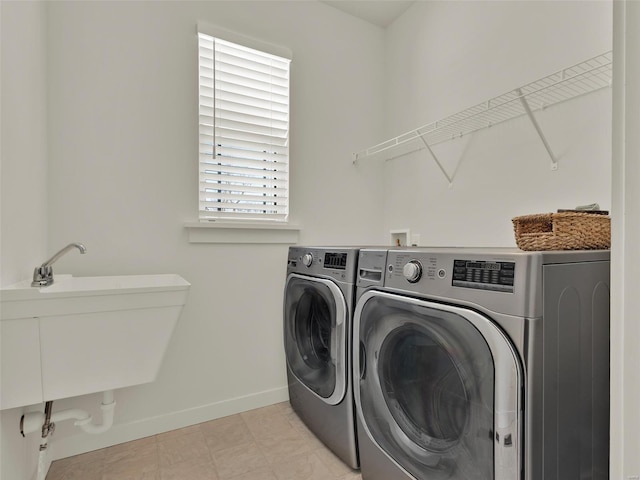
(378, 12)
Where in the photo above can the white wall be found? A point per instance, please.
(24, 139)
(446, 56)
(123, 180)
(625, 307)
(23, 190)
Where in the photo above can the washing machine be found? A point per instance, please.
(318, 313)
(482, 364)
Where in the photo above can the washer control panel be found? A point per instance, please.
(336, 263)
(307, 259)
(337, 260)
(484, 275)
(412, 271)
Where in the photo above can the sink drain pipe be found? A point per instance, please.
(47, 428)
(46, 423)
(33, 421)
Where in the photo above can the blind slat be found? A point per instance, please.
(207, 139)
(275, 95)
(207, 149)
(241, 207)
(246, 172)
(252, 70)
(251, 117)
(250, 127)
(207, 178)
(233, 154)
(258, 83)
(257, 102)
(253, 167)
(246, 216)
(255, 56)
(231, 135)
(242, 196)
(227, 107)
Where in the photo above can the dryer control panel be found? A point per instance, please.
(484, 275)
(500, 280)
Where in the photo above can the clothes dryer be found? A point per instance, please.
(318, 313)
(482, 364)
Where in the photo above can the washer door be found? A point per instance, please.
(439, 389)
(315, 335)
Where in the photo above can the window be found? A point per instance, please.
(244, 132)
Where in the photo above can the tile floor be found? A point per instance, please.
(269, 443)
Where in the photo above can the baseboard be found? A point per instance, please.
(83, 443)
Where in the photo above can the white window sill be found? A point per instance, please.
(231, 232)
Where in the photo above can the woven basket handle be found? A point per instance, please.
(534, 224)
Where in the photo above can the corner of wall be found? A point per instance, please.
(23, 198)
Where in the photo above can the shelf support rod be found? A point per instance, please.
(525, 104)
(444, 172)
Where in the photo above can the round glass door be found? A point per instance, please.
(314, 325)
(427, 389)
(423, 388)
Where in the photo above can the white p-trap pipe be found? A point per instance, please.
(33, 421)
(107, 407)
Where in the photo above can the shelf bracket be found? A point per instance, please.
(527, 109)
(444, 172)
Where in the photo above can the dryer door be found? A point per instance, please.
(315, 335)
(439, 389)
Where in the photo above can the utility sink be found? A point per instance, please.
(83, 335)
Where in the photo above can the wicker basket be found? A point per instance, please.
(563, 231)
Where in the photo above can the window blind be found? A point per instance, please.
(244, 132)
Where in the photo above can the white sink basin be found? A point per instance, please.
(85, 334)
(71, 294)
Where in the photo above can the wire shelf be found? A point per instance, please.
(572, 82)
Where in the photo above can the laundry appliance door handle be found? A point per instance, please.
(363, 361)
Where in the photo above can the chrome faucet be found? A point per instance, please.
(43, 275)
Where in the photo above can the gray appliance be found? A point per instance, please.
(482, 364)
(318, 312)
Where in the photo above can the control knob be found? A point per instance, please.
(307, 259)
(412, 271)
